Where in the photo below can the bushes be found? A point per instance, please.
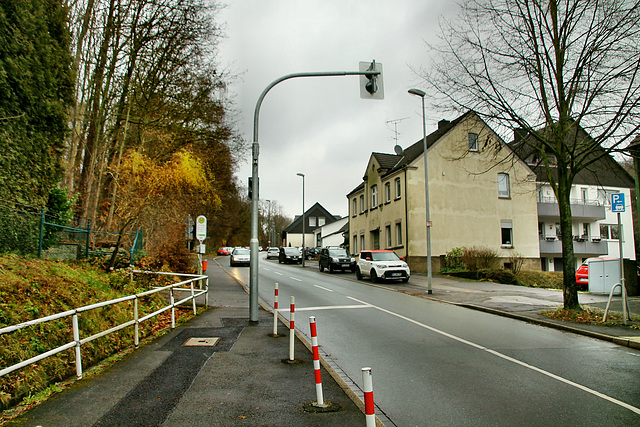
(484, 264)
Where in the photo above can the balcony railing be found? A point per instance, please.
(580, 209)
(581, 246)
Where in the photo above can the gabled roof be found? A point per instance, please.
(317, 210)
(390, 163)
(605, 171)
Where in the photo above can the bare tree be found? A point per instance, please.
(562, 72)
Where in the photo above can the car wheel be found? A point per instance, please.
(331, 270)
(358, 274)
(353, 270)
(405, 280)
(321, 267)
(374, 276)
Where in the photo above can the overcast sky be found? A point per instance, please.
(319, 126)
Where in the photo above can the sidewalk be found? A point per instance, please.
(525, 303)
(242, 380)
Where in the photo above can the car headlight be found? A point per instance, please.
(353, 260)
(335, 259)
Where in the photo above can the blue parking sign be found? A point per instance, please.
(617, 202)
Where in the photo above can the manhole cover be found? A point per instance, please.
(201, 342)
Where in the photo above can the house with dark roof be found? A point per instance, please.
(480, 195)
(594, 226)
(314, 217)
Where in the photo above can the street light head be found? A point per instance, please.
(418, 92)
(300, 174)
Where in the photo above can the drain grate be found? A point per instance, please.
(201, 342)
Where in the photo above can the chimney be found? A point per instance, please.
(519, 134)
(442, 123)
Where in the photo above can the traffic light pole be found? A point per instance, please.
(255, 151)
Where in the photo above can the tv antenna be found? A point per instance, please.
(397, 148)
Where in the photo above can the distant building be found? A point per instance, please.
(332, 234)
(316, 216)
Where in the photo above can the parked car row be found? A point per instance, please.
(377, 265)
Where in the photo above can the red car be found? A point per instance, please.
(223, 251)
(582, 275)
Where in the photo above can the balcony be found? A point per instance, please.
(581, 246)
(580, 209)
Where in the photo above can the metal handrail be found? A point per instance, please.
(77, 342)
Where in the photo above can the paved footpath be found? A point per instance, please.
(242, 380)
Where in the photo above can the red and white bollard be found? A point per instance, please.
(292, 331)
(369, 409)
(275, 312)
(316, 360)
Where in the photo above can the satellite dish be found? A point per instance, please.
(397, 149)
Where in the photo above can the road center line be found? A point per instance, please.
(280, 274)
(505, 357)
(295, 278)
(323, 288)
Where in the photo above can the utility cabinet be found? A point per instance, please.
(603, 275)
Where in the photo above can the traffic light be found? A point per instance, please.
(371, 86)
(250, 188)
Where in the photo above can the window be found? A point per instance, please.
(387, 192)
(312, 221)
(362, 241)
(398, 188)
(586, 230)
(503, 185)
(354, 209)
(506, 231)
(321, 221)
(374, 196)
(473, 142)
(362, 203)
(387, 233)
(398, 233)
(609, 231)
(355, 244)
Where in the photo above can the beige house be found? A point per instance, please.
(480, 195)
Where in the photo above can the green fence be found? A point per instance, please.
(30, 230)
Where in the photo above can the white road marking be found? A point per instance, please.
(326, 307)
(275, 272)
(505, 357)
(296, 279)
(323, 288)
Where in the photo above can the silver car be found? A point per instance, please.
(240, 256)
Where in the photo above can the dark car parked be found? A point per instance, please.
(290, 255)
(336, 259)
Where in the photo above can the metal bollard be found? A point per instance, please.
(369, 409)
(316, 360)
(292, 328)
(275, 312)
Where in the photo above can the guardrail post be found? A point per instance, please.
(193, 298)
(41, 233)
(76, 338)
(173, 309)
(136, 327)
(206, 295)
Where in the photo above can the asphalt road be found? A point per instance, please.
(437, 364)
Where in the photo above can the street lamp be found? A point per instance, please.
(421, 94)
(268, 224)
(303, 224)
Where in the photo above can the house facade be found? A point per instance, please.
(314, 217)
(480, 195)
(595, 227)
(332, 234)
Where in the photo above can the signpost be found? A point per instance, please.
(201, 234)
(617, 206)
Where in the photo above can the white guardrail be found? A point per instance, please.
(135, 322)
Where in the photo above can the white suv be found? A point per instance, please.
(382, 264)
